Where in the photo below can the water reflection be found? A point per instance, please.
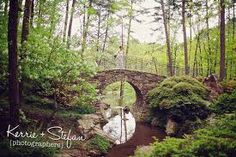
(119, 130)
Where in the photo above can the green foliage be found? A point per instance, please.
(82, 109)
(217, 139)
(226, 103)
(98, 142)
(228, 86)
(112, 94)
(52, 70)
(180, 98)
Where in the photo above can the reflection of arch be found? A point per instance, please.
(142, 82)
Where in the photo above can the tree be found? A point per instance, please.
(70, 24)
(90, 11)
(222, 40)
(131, 16)
(26, 21)
(13, 62)
(185, 39)
(66, 20)
(167, 34)
(24, 37)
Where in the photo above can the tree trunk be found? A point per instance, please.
(167, 33)
(105, 38)
(85, 32)
(195, 72)
(40, 10)
(24, 37)
(32, 14)
(70, 24)
(26, 21)
(98, 30)
(234, 19)
(66, 20)
(106, 33)
(185, 40)
(5, 9)
(13, 62)
(222, 40)
(129, 26)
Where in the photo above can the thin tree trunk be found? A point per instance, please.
(32, 14)
(26, 21)
(66, 20)
(167, 33)
(70, 24)
(98, 30)
(5, 9)
(24, 37)
(234, 19)
(106, 33)
(13, 62)
(195, 58)
(201, 70)
(185, 40)
(5, 16)
(208, 40)
(40, 3)
(222, 40)
(129, 26)
(85, 33)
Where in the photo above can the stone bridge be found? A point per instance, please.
(142, 82)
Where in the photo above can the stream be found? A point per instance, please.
(143, 135)
(137, 134)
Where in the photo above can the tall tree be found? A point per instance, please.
(66, 20)
(26, 21)
(24, 37)
(98, 29)
(167, 34)
(222, 40)
(70, 23)
(131, 10)
(86, 26)
(185, 39)
(13, 62)
(106, 31)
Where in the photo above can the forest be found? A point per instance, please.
(50, 50)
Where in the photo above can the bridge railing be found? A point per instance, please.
(139, 64)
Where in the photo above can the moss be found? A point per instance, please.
(226, 103)
(228, 86)
(181, 98)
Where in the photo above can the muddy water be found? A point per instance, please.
(143, 135)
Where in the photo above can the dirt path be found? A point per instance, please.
(143, 135)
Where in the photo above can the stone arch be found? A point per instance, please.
(141, 82)
(139, 96)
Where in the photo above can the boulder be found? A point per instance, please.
(155, 122)
(171, 127)
(88, 122)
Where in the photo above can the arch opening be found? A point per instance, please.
(111, 94)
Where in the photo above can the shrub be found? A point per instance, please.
(228, 86)
(226, 103)
(218, 139)
(100, 143)
(180, 98)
